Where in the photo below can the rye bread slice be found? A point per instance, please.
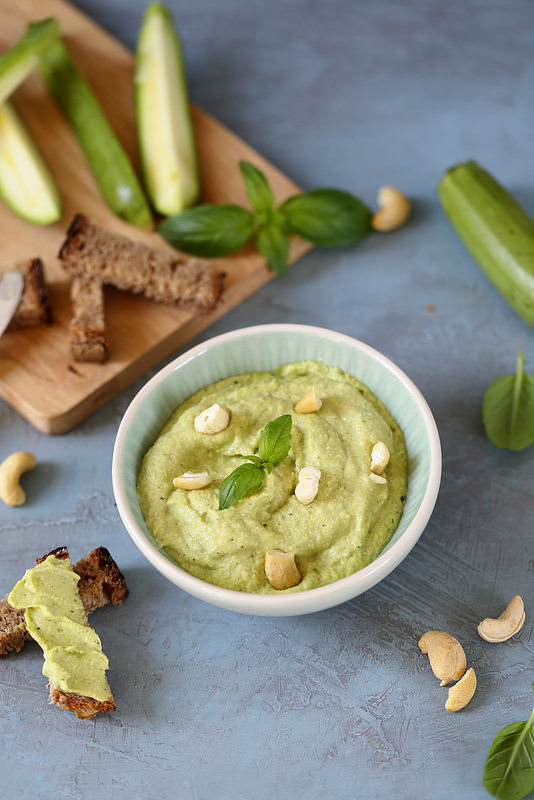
(88, 337)
(101, 583)
(131, 266)
(33, 308)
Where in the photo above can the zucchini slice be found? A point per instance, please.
(17, 63)
(110, 165)
(26, 184)
(164, 125)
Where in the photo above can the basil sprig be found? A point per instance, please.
(325, 217)
(275, 441)
(508, 409)
(209, 231)
(509, 769)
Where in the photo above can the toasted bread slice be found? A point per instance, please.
(101, 583)
(33, 308)
(134, 267)
(88, 337)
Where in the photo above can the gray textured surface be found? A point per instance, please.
(339, 704)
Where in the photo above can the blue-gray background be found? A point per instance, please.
(338, 704)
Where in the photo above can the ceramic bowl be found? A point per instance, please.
(264, 347)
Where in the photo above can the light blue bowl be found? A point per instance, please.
(262, 348)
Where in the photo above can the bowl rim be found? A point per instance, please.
(310, 600)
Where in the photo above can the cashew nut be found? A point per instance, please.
(507, 625)
(377, 478)
(11, 469)
(379, 458)
(462, 692)
(308, 403)
(394, 209)
(213, 419)
(308, 485)
(310, 474)
(192, 480)
(281, 569)
(446, 655)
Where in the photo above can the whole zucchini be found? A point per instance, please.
(107, 158)
(496, 230)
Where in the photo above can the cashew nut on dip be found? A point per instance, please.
(507, 625)
(446, 655)
(462, 692)
(308, 485)
(281, 569)
(192, 480)
(379, 458)
(11, 469)
(308, 403)
(213, 419)
(394, 209)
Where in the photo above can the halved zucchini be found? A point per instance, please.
(164, 125)
(26, 184)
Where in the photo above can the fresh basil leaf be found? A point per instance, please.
(508, 409)
(255, 460)
(275, 440)
(327, 217)
(242, 481)
(257, 187)
(209, 230)
(509, 769)
(272, 243)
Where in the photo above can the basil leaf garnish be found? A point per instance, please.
(275, 440)
(509, 769)
(208, 230)
(327, 217)
(255, 460)
(272, 243)
(508, 409)
(242, 481)
(257, 187)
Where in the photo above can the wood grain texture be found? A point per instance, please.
(37, 375)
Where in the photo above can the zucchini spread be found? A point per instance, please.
(351, 518)
(55, 618)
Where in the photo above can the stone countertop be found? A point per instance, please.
(341, 703)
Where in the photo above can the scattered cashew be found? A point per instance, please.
(308, 403)
(446, 655)
(394, 209)
(377, 478)
(308, 485)
(462, 692)
(192, 480)
(281, 569)
(507, 625)
(213, 419)
(379, 458)
(11, 469)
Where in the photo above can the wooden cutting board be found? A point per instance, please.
(37, 376)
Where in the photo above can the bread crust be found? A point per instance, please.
(33, 308)
(83, 707)
(162, 276)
